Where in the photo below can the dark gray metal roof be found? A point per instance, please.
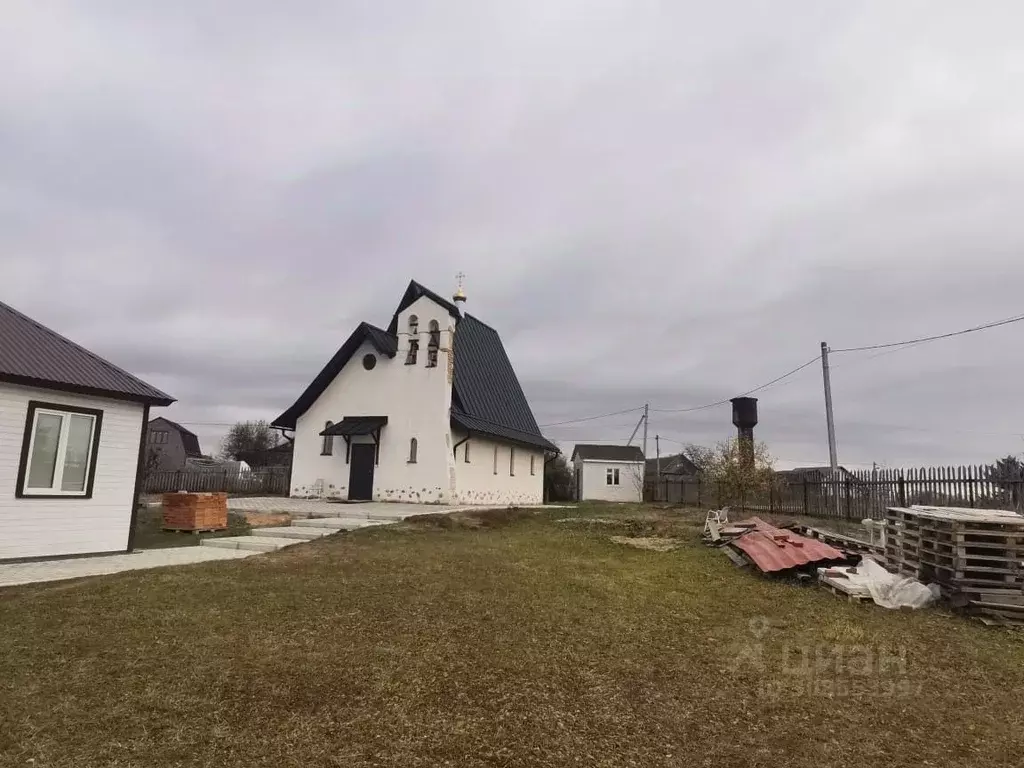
(675, 464)
(381, 340)
(487, 398)
(608, 452)
(356, 425)
(33, 355)
(487, 395)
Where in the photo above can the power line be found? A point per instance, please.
(592, 418)
(776, 380)
(983, 327)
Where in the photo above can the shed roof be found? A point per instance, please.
(608, 452)
(33, 355)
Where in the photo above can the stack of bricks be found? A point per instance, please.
(195, 511)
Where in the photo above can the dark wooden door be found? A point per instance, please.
(360, 478)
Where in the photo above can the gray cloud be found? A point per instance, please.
(664, 203)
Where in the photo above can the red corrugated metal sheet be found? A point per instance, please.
(775, 549)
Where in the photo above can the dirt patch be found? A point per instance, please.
(480, 518)
(647, 542)
(590, 520)
(267, 519)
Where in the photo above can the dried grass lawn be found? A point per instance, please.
(500, 640)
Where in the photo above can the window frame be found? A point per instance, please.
(465, 452)
(414, 446)
(611, 476)
(512, 461)
(495, 459)
(533, 458)
(28, 438)
(327, 446)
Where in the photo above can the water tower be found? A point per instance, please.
(744, 417)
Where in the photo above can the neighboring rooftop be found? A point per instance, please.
(189, 439)
(487, 398)
(676, 464)
(35, 356)
(608, 452)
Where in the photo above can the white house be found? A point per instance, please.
(72, 430)
(608, 472)
(428, 410)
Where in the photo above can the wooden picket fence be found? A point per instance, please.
(268, 482)
(853, 495)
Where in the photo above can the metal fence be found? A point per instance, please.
(268, 482)
(852, 495)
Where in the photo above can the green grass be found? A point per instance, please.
(149, 533)
(494, 642)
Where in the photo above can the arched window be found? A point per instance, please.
(532, 457)
(495, 459)
(433, 344)
(413, 445)
(327, 449)
(414, 340)
(511, 462)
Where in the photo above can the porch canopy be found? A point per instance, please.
(356, 425)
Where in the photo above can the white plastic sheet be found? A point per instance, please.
(887, 589)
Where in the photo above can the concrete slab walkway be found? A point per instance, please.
(75, 568)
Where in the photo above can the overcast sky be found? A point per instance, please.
(668, 202)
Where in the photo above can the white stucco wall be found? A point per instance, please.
(476, 481)
(417, 402)
(595, 485)
(69, 526)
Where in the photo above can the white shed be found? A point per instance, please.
(608, 472)
(71, 445)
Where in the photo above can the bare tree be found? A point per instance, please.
(741, 471)
(248, 438)
(702, 457)
(637, 478)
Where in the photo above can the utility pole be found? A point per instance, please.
(657, 451)
(833, 459)
(646, 407)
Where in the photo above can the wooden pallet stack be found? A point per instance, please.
(976, 555)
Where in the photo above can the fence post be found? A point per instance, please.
(807, 506)
(849, 490)
(901, 488)
(771, 497)
(177, 480)
(699, 502)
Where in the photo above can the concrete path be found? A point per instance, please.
(77, 567)
(369, 510)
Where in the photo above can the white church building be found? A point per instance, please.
(428, 410)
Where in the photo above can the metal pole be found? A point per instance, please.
(657, 451)
(833, 459)
(646, 406)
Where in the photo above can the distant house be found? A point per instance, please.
(817, 475)
(280, 456)
(676, 467)
(608, 472)
(169, 445)
(72, 444)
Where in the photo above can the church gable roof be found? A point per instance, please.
(487, 398)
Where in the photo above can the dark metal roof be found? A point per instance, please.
(381, 340)
(608, 452)
(356, 425)
(189, 439)
(676, 464)
(487, 398)
(33, 355)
